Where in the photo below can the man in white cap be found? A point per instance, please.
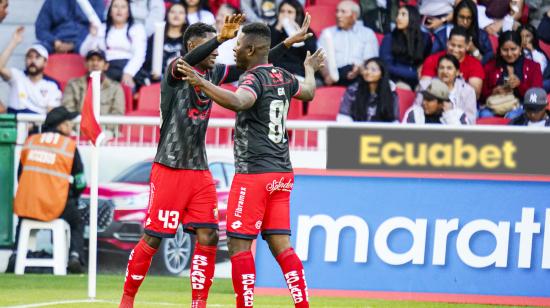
(31, 91)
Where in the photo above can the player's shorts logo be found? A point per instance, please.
(137, 277)
(236, 225)
(279, 185)
(258, 224)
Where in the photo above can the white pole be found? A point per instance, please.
(92, 259)
(158, 49)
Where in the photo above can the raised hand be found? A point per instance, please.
(17, 37)
(316, 61)
(301, 35)
(188, 72)
(230, 27)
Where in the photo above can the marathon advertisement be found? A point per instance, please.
(424, 149)
(463, 240)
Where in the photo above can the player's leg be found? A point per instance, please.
(276, 231)
(245, 211)
(138, 266)
(201, 218)
(162, 221)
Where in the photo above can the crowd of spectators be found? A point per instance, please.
(463, 59)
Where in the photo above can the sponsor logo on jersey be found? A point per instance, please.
(279, 185)
(281, 91)
(195, 114)
(240, 203)
(236, 225)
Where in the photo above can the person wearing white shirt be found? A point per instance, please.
(124, 43)
(197, 11)
(146, 12)
(225, 50)
(31, 91)
(351, 44)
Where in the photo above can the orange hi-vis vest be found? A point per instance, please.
(46, 162)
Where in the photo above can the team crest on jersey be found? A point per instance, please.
(44, 92)
(195, 113)
(276, 76)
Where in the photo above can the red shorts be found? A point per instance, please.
(259, 202)
(180, 196)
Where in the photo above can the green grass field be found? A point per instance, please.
(39, 290)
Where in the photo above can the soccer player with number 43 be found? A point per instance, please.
(260, 193)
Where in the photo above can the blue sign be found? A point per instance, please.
(478, 237)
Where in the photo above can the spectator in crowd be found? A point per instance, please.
(124, 42)
(225, 50)
(405, 48)
(372, 98)
(176, 23)
(352, 44)
(543, 30)
(436, 14)
(260, 10)
(510, 73)
(530, 46)
(30, 90)
(290, 18)
(148, 13)
(48, 191)
(504, 15)
(537, 10)
(534, 109)
(62, 26)
(3, 9)
(379, 15)
(197, 10)
(470, 67)
(112, 94)
(461, 94)
(465, 15)
(435, 108)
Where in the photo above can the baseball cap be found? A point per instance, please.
(535, 99)
(436, 90)
(41, 50)
(96, 52)
(57, 116)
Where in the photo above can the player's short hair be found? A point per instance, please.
(460, 31)
(196, 30)
(258, 31)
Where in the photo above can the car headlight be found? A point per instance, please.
(137, 202)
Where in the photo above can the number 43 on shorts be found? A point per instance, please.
(169, 218)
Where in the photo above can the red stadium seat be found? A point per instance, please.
(128, 98)
(296, 109)
(149, 97)
(64, 67)
(494, 43)
(545, 47)
(131, 133)
(322, 16)
(406, 99)
(325, 105)
(492, 121)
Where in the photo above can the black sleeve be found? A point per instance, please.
(149, 55)
(201, 52)
(274, 54)
(77, 172)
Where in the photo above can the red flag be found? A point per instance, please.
(89, 126)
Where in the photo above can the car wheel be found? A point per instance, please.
(174, 254)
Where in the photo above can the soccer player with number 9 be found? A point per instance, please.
(260, 193)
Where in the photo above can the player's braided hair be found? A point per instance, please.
(198, 29)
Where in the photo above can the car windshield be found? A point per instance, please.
(140, 173)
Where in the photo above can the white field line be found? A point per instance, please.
(92, 301)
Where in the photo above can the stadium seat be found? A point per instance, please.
(64, 67)
(61, 238)
(322, 16)
(325, 105)
(379, 37)
(494, 43)
(545, 47)
(149, 97)
(492, 121)
(131, 133)
(128, 98)
(406, 99)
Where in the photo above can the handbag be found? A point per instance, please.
(501, 104)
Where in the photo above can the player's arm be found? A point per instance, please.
(277, 51)
(312, 64)
(236, 101)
